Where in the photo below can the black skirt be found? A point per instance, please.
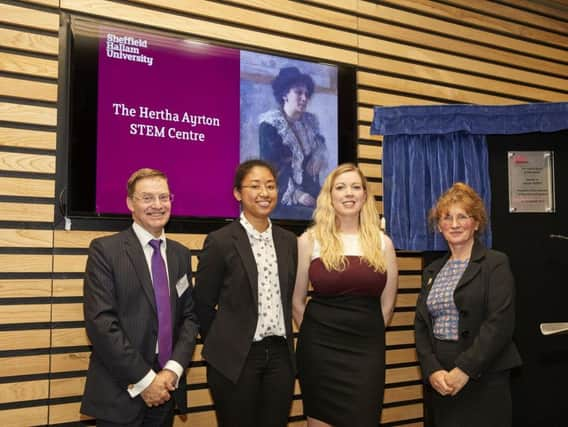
(341, 360)
(482, 402)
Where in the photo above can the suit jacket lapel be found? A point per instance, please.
(136, 254)
(474, 267)
(244, 250)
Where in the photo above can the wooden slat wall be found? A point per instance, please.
(406, 52)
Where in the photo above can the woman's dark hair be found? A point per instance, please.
(246, 166)
(287, 78)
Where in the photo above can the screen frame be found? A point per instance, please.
(75, 201)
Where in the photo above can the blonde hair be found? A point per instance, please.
(463, 195)
(325, 228)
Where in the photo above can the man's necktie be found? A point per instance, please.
(161, 291)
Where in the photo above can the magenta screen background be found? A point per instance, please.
(184, 77)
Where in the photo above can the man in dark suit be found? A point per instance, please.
(139, 314)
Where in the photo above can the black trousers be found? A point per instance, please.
(263, 393)
(157, 416)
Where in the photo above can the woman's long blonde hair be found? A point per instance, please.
(325, 228)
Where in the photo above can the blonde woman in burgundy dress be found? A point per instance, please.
(352, 267)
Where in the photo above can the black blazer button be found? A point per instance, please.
(465, 334)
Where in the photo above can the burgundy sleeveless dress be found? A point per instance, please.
(341, 345)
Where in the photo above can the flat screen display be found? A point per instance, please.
(195, 110)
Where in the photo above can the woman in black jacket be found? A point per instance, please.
(465, 318)
(243, 297)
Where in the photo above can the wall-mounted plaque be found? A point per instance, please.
(531, 181)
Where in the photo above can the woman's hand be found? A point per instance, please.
(315, 165)
(456, 379)
(439, 383)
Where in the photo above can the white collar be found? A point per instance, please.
(144, 236)
(265, 235)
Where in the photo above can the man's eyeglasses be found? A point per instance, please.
(148, 199)
(269, 188)
(461, 219)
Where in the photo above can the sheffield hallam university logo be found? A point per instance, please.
(127, 48)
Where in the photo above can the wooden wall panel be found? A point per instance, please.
(28, 89)
(12, 263)
(26, 238)
(196, 419)
(24, 340)
(24, 313)
(69, 362)
(68, 288)
(30, 163)
(405, 355)
(34, 415)
(410, 36)
(559, 10)
(69, 337)
(67, 312)
(409, 282)
(262, 20)
(399, 338)
(399, 375)
(25, 288)
(31, 212)
(459, 95)
(468, 29)
(521, 17)
(66, 387)
(405, 52)
(210, 29)
(28, 65)
(27, 138)
(200, 397)
(65, 413)
(69, 263)
(411, 392)
(22, 391)
(402, 318)
(406, 412)
(25, 187)
(24, 365)
(30, 42)
(27, 17)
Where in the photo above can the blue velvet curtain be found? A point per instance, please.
(428, 148)
(417, 169)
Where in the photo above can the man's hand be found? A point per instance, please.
(169, 379)
(158, 392)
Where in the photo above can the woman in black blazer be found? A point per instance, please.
(243, 295)
(465, 317)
